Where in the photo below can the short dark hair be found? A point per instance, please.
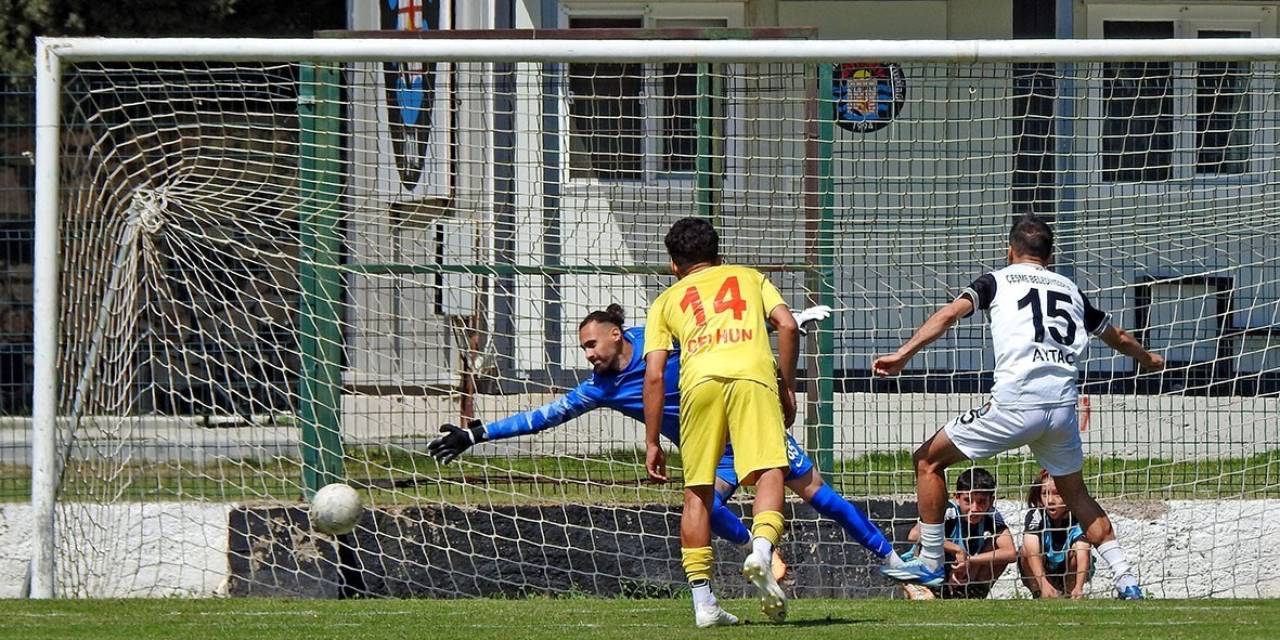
(691, 241)
(976, 479)
(1031, 236)
(612, 314)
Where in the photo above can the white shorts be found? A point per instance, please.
(1052, 433)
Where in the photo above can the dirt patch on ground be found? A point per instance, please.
(1136, 509)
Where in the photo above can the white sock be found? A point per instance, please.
(893, 560)
(762, 548)
(931, 545)
(702, 595)
(1113, 554)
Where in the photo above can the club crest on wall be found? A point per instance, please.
(867, 96)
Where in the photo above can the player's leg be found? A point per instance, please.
(931, 462)
(1099, 532)
(725, 524)
(979, 433)
(697, 557)
(1060, 451)
(702, 441)
(695, 529)
(769, 484)
(760, 458)
(766, 532)
(805, 481)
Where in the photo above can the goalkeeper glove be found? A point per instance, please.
(810, 317)
(454, 440)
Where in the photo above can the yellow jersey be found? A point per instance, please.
(716, 318)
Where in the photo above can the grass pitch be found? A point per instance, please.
(392, 476)
(597, 619)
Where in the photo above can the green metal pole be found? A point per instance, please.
(320, 178)
(826, 272)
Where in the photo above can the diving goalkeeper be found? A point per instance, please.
(615, 353)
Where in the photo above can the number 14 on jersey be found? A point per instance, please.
(728, 298)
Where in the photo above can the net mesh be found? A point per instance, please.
(279, 275)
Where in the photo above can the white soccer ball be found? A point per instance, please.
(335, 509)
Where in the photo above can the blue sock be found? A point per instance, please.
(832, 505)
(725, 524)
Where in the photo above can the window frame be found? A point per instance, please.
(1252, 162)
(1188, 22)
(652, 16)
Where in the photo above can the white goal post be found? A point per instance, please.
(1169, 223)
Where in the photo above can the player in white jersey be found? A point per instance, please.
(1040, 324)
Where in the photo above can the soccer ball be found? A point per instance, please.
(335, 509)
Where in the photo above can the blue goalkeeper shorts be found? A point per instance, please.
(798, 462)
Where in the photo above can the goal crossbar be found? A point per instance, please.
(741, 51)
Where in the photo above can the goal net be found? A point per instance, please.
(281, 264)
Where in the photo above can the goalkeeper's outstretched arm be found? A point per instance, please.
(454, 440)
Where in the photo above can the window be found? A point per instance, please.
(606, 112)
(1035, 89)
(629, 120)
(677, 90)
(1034, 170)
(1222, 113)
(1137, 126)
(679, 128)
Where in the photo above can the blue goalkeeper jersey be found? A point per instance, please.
(622, 391)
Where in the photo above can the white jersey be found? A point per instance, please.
(1040, 324)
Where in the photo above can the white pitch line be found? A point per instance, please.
(864, 624)
(1019, 625)
(308, 612)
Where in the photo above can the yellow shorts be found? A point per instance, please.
(720, 410)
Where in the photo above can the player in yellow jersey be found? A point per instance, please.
(729, 392)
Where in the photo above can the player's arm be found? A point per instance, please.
(931, 330)
(788, 355)
(1034, 554)
(454, 439)
(1121, 341)
(1098, 323)
(1081, 549)
(778, 314)
(809, 317)
(657, 348)
(654, 393)
(978, 295)
(1004, 551)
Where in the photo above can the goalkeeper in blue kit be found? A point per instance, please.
(616, 354)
